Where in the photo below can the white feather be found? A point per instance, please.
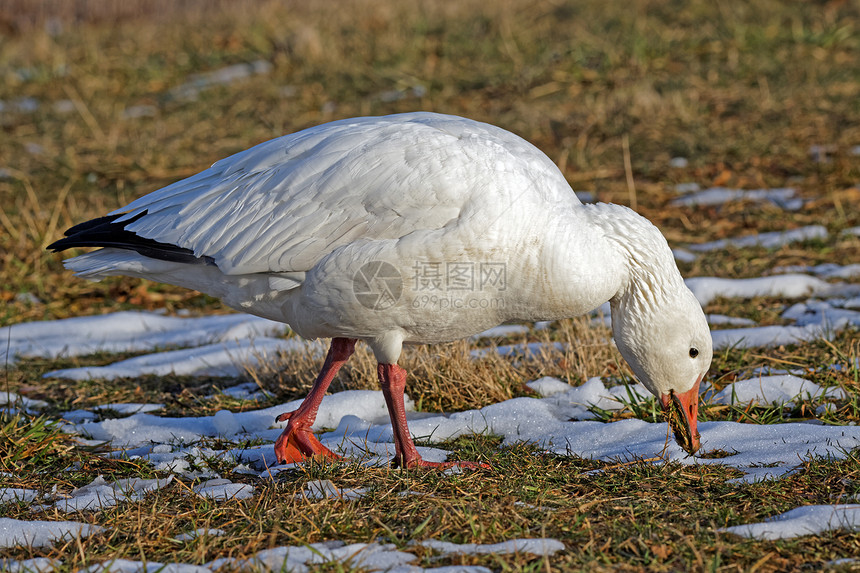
(298, 226)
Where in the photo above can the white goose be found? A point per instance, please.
(411, 228)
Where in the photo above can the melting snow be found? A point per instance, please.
(825, 270)
(560, 419)
(35, 565)
(808, 520)
(101, 494)
(14, 532)
(128, 566)
(200, 532)
(223, 490)
(766, 240)
(13, 494)
(325, 489)
(707, 289)
(775, 390)
(129, 332)
(533, 546)
(781, 197)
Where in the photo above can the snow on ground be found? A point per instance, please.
(707, 289)
(223, 490)
(807, 520)
(199, 532)
(13, 494)
(776, 390)
(560, 422)
(35, 565)
(825, 270)
(559, 419)
(101, 494)
(533, 546)
(765, 240)
(129, 332)
(225, 359)
(380, 557)
(785, 197)
(15, 532)
(326, 489)
(300, 559)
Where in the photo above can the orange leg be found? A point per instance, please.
(297, 443)
(392, 378)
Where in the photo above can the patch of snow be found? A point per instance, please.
(101, 494)
(244, 391)
(525, 349)
(542, 546)
(822, 314)
(226, 359)
(129, 566)
(14, 532)
(766, 336)
(325, 489)
(825, 270)
(807, 520)
(707, 289)
(17, 494)
(363, 431)
(78, 416)
(785, 198)
(190, 463)
(200, 532)
(223, 76)
(20, 105)
(684, 255)
(574, 404)
(688, 187)
(28, 404)
(129, 331)
(128, 408)
(765, 240)
(34, 565)
(298, 559)
(143, 429)
(547, 386)
(720, 319)
(776, 390)
(224, 490)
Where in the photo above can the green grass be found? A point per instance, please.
(742, 90)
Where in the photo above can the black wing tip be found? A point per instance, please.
(84, 234)
(106, 232)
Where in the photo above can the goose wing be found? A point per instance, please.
(283, 205)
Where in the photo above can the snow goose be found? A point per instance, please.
(406, 229)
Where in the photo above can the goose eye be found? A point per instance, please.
(694, 352)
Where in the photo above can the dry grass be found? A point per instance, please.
(446, 377)
(742, 90)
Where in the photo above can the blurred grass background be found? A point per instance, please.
(105, 101)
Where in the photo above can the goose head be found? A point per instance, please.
(667, 343)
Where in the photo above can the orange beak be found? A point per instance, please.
(685, 429)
